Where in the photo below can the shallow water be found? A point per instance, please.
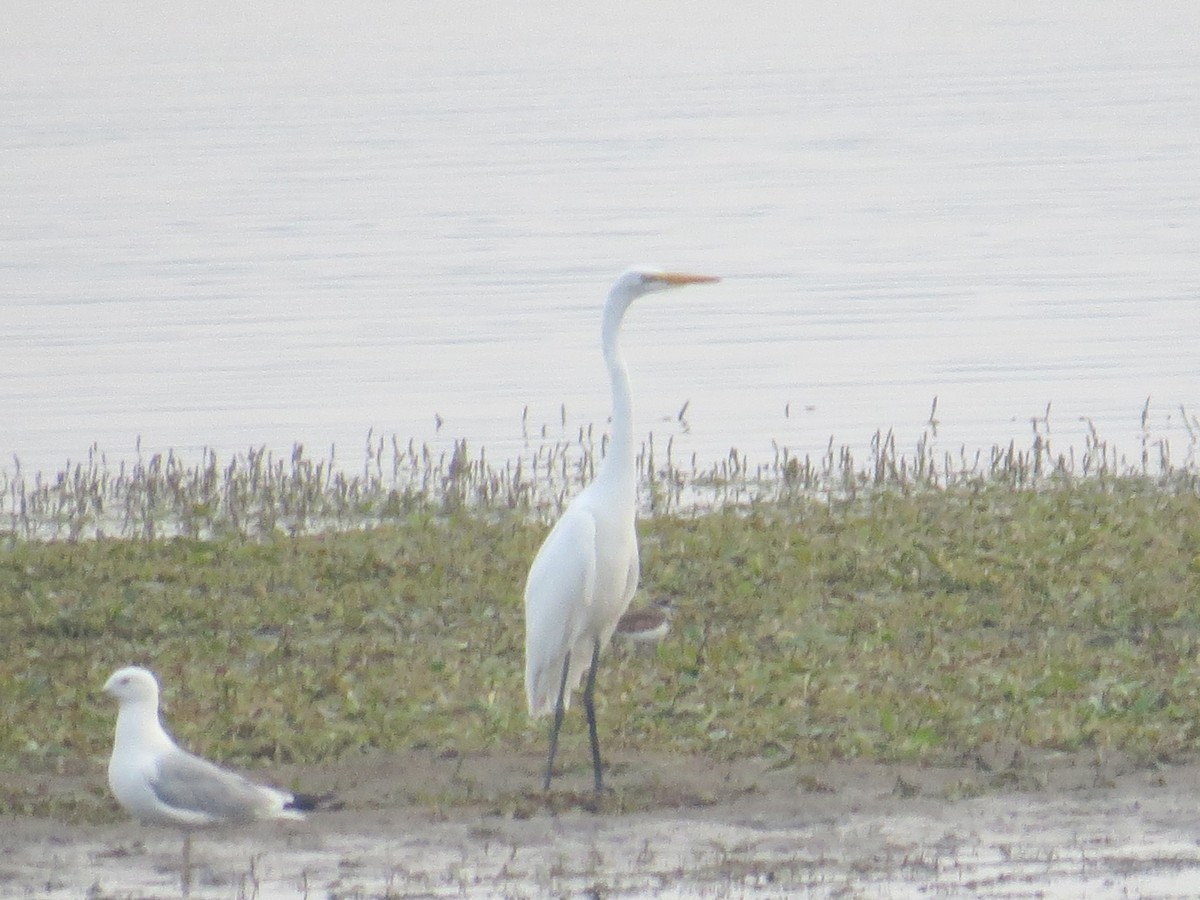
(298, 223)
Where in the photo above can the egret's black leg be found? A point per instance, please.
(589, 704)
(558, 719)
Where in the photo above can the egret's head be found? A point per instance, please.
(646, 280)
(133, 684)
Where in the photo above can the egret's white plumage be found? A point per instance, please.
(159, 783)
(586, 572)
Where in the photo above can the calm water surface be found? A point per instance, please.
(296, 223)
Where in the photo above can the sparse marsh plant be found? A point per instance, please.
(258, 494)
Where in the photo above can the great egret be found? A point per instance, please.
(157, 782)
(586, 571)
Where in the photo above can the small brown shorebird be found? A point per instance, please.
(646, 626)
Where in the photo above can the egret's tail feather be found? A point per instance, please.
(542, 685)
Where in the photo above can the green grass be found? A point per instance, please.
(895, 618)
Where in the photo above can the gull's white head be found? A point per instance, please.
(133, 684)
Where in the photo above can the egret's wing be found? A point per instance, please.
(560, 587)
(632, 576)
(189, 784)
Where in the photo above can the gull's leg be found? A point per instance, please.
(186, 874)
(558, 719)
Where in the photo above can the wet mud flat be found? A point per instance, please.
(998, 825)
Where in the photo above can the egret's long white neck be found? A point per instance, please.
(620, 457)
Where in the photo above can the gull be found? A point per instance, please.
(161, 784)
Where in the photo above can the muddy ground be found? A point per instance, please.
(998, 825)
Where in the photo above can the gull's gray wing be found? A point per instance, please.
(187, 782)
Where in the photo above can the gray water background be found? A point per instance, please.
(234, 225)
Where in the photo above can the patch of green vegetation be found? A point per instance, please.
(888, 613)
(82, 803)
